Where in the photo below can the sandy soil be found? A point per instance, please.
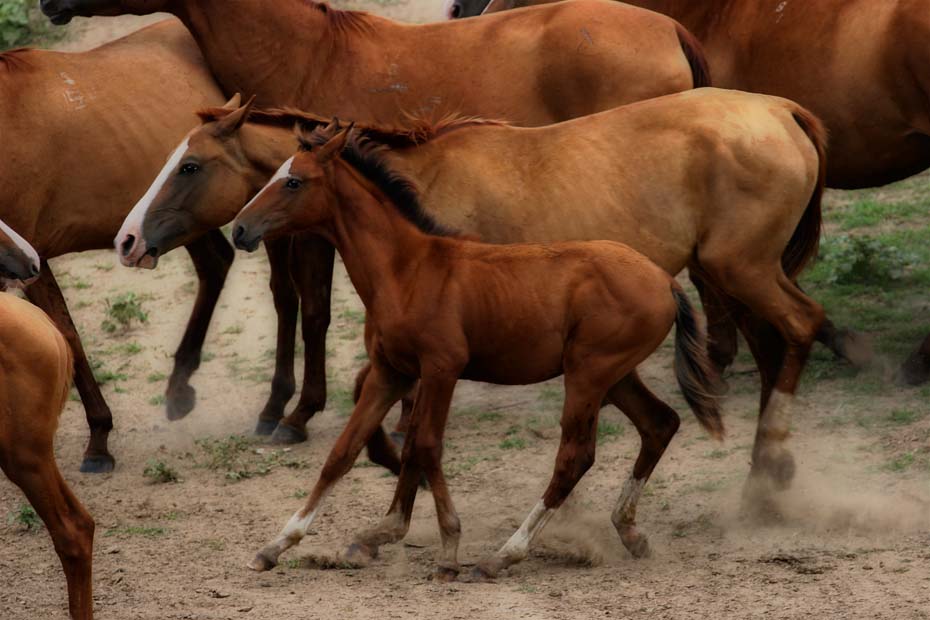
(855, 541)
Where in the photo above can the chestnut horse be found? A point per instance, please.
(83, 133)
(35, 376)
(859, 66)
(512, 314)
(723, 182)
(544, 66)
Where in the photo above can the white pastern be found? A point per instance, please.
(21, 243)
(518, 546)
(282, 173)
(625, 511)
(132, 225)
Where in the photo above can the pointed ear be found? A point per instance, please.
(233, 103)
(334, 147)
(232, 122)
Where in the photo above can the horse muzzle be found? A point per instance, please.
(134, 252)
(246, 239)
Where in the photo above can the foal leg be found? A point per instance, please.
(575, 457)
(312, 261)
(46, 294)
(69, 525)
(422, 453)
(286, 303)
(383, 387)
(212, 256)
(657, 423)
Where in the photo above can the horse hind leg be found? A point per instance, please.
(657, 424)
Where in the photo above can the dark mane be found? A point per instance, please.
(415, 130)
(367, 158)
(14, 60)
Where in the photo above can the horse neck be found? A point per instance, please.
(695, 16)
(265, 147)
(381, 249)
(261, 47)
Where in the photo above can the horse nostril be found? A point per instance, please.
(34, 269)
(127, 244)
(456, 11)
(238, 234)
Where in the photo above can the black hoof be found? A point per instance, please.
(288, 435)
(914, 371)
(180, 402)
(102, 464)
(264, 428)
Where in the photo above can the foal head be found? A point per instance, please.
(203, 183)
(62, 11)
(19, 262)
(300, 196)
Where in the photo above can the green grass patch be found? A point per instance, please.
(25, 518)
(158, 472)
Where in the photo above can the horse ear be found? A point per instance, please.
(233, 103)
(333, 147)
(231, 123)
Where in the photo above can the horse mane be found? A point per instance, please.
(367, 158)
(341, 21)
(414, 131)
(14, 60)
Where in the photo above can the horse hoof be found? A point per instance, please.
(480, 574)
(359, 555)
(288, 435)
(855, 348)
(261, 563)
(264, 428)
(445, 574)
(398, 438)
(637, 544)
(101, 464)
(779, 468)
(180, 402)
(914, 371)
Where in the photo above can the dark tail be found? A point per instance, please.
(806, 238)
(693, 367)
(694, 52)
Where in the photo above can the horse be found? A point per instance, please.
(512, 314)
(549, 65)
(722, 182)
(859, 66)
(35, 377)
(82, 135)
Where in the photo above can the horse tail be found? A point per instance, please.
(694, 53)
(806, 238)
(693, 368)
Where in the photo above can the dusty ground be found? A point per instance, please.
(855, 542)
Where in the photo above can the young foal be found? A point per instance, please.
(35, 375)
(510, 314)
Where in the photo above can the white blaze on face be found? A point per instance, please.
(21, 243)
(283, 172)
(132, 225)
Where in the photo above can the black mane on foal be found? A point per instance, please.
(367, 158)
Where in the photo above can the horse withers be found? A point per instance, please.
(35, 376)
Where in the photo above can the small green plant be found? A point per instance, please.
(21, 23)
(158, 472)
(135, 530)
(608, 430)
(236, 457)
(158, 400)
(850, 259)
(513, 441)
(122, 311)
(901, 463)
(903, 416)
(155, 377)
(26, 518)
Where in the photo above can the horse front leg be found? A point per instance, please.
(46, 294)
(212, 257)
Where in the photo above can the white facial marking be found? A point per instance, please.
(21, 243)
(518, 546)
(132, 225)
(283, 172)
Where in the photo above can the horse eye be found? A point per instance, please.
(293, 183)
(190, 168)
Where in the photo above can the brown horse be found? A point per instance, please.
(722, 182)
(82, 136)
(556, 63)
(35, 376)
(512, 314)
(860, 66)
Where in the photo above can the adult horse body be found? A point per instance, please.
(35, 376)
(726, 183)
(860, 66)
(82, 135)
(536, 68)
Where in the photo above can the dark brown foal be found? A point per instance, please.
(441, 308)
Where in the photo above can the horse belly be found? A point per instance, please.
(520, 360)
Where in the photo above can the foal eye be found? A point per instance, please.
(190, 169)
(293, 183)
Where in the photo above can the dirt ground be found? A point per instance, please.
(854, 542)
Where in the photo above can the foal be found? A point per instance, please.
(35, 375)
(510, 314)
